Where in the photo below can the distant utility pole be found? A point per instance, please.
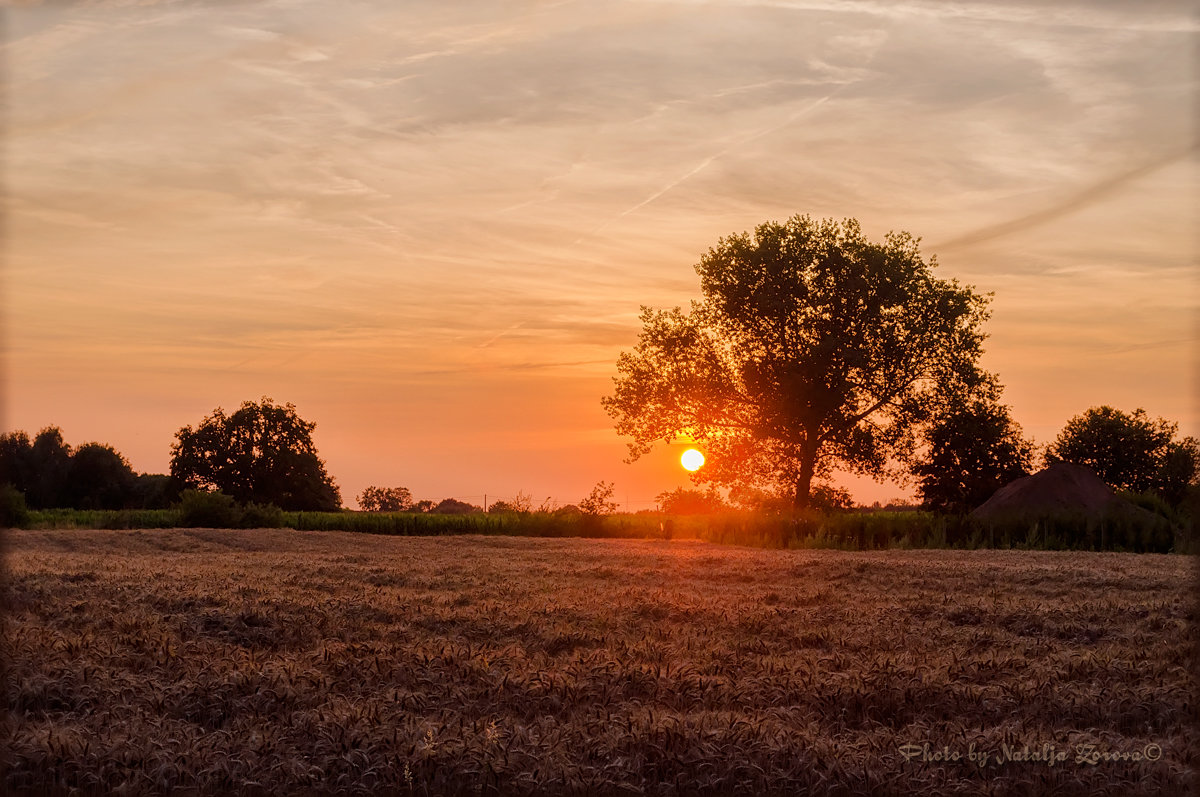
(485, 502)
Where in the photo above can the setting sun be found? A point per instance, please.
(692, 460)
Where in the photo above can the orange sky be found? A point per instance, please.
(430, 226)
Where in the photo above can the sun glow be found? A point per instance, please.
(692, 460)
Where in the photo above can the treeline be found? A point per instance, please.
(45, 473)
(258, 468)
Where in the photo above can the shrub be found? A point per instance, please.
(13, 512)
(261, 516)
(214, 510)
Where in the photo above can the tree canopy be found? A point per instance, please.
(263, 452)
(50, 474)
(99, 478)
(38, 468)
(682, 501)
(974, 449)
(599, 501)
(812, 348)
(452, 506)
(385, 499)
(1130, 451)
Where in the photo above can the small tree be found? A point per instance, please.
(263, 453)
(682, 501)
(831, 498)
(599, 500)
(973, 449)
(1130, 451)
(385, 499)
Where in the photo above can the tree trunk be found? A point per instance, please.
(802, 498)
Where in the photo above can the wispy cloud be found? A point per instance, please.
(1077, 200)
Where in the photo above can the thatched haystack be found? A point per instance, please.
(1060, 490)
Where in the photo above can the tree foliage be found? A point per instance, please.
(1130, 451)
(385, 499)
(682, 501)
(262, 453)
(38, 468)
(452, 506)
(99, 478)
(520, 504)
(49, 473)
(974, 448)
(812, 348)
(599, 500)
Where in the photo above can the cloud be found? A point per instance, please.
(1097, 191)
(400, 198)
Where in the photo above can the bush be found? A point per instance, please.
(212, 510)
(261, 516)
(452, 506)
(13, 512)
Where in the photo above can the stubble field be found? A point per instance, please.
(275, 661)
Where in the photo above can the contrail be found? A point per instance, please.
(1088, 196)
(721, 153)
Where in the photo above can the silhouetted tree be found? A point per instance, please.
(16, 461)
(831, 498)
(599, 500)
(99, 478)
(974, 449)
(811, 348)
(1130, 451)
(49, 473)
(385, 499)
(37, 468)
(520, 504)
(155, 491)
(682, 501)
(51, 463)
(263, 453)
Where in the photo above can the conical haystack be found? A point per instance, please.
(1061, 489)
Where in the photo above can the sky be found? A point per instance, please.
(431, 226)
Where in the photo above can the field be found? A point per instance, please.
(276, 661)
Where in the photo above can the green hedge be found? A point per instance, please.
(846, 530)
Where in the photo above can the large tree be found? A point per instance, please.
(812, 348)
(1130, 451)
(264, 452)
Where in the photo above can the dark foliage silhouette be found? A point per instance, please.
(262, 453)
(812, 348)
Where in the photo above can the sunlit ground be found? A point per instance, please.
(283, 661)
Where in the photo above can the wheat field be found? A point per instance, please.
(276, 661)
